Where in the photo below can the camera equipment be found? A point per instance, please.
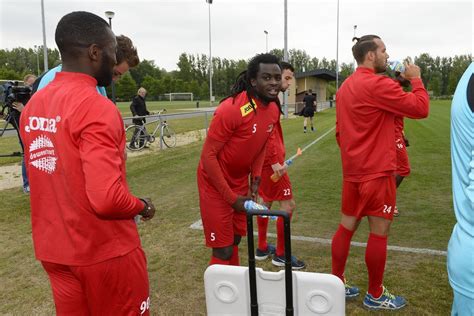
(10, 93)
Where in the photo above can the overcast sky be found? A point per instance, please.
(163, 29)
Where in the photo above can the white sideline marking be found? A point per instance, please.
(313, 142)
(198, 225)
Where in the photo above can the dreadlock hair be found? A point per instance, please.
(243, 79)
(362, 46)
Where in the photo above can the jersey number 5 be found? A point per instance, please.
(254, 129)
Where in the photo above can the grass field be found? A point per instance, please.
(177, 256)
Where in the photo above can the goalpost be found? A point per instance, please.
(180, 96)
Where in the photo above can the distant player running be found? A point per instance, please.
(276, 191)
(233, 150)
(365, 132)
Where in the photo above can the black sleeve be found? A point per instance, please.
(133, 107)
(470, 93)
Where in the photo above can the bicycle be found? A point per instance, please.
(137, 136)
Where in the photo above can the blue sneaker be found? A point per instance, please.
(351, 291)
(385, 301)
(296, 264)
(263, 254)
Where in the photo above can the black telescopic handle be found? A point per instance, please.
(251, 254)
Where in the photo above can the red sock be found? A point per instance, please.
(234, 260)
(262, 223)
(280, 248)
(375, 258)
(215, 260)
(341, 243)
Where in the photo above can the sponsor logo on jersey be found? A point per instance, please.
(246, 109)
(43, 124)
(42, 154)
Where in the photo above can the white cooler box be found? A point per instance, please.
(232, 290)
(227, 292)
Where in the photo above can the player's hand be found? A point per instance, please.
(18, 106)
(239, 203)
(412, 71)
(279, 169)
(148, 211)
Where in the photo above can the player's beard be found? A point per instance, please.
(106, 71)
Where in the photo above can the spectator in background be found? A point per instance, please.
(308, 110)
(461, 244)
(28, 81)
(138, 108)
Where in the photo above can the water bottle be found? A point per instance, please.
(137, 219)
(396, 66)
(275, 176)
(251, 205)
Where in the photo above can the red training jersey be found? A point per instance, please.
(399, 126)
(81, 209)
(275, 151)
(241, 134)
(365, 128)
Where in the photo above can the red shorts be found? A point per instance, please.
(403, 164)
(370, 198)
(275, 191)
(220, 221)
(118, 286)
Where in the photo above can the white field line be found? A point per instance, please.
(314, 142)
(198, 225)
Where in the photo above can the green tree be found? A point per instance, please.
(185, 68)
(459, 66)
(144, 68)
(126, 87)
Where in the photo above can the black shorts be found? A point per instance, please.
(308, 111)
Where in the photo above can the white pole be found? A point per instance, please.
(210, 55)
(285, 57)
(337, 49)
(37, 60)
(266, 41)
(355, 62)
(45, 48)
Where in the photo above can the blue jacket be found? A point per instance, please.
(461, 244)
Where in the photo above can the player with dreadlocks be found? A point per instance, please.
(233, 150)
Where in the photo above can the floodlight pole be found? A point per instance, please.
(110, 15)
(285, 56)
(355, 62)
(45, 48)
(210, 55)
(37, 60)
(266, 41)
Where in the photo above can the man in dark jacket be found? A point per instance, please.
(138, 108)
